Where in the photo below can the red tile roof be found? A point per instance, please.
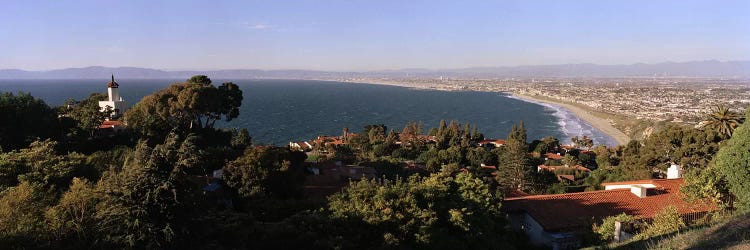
(553, 156)
(110, 124)
(629, 182)
(570, 211)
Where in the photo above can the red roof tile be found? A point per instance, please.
(629, 182)
(110, 124)
(553, 156)
(576, 210)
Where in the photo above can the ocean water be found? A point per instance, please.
(278, 111)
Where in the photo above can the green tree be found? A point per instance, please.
(724, 121)
(604, 156)
(103, 160)
(376, 133)
(40, 164)
(266, 172)
(148, 203)
(241, 139)
(733, 163)
(192, 105)
(583, 141)
(632, 166)
(666, 221)
(546, 144)
(601, 175)
(708, 184)
(513, 161)
(24, 120)
(570, 160)
(22, 216)
(73, 220)
(87, 113)
(683, 145)
(541, 182)
(479, 156)
(438, 211)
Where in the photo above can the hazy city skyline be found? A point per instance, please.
(359, 35)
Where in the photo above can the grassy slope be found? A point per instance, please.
(733, 233)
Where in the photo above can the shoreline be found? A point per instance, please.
(601, 124)
(598, 123)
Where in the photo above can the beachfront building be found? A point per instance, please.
(114, 100)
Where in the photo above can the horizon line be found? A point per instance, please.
(380, 70)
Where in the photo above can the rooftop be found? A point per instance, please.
(559, 212)
(110, 124)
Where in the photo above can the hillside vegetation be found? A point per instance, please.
(730, 233)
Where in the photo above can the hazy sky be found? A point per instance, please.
(367, 35)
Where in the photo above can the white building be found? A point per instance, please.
(114, 100)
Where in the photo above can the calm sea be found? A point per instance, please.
(279, 111)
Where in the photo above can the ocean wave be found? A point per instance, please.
(571, 125)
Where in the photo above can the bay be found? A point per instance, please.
(279, 111)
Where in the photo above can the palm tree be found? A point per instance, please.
(724, 121)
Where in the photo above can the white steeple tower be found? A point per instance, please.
(114, 100)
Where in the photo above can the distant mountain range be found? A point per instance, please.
(733, 69)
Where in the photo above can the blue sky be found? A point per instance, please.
(367, 35)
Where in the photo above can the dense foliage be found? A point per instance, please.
(664, 222)
(40, 164)
(85, 114)
(191, 105)
(440, 211)
(24, 119)
(266, 172)
(733, 164)
(606, 230)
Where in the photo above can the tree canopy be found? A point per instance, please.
(733, 163)
(440, 211)
(187, 106)
(24, 119)
(265, 172)
(86, 113)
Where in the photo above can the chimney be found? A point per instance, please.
(674, 172)
(639, 190)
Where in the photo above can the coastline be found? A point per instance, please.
(601, 124)
(598, 123)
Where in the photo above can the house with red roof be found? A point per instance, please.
(329, 140)
(110, 126)
(553, 156)
(300, 145)
(552, 220)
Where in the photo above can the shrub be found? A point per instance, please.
(666, 221)
(606, 230)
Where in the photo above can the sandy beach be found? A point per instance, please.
(598, 123)
(601, 124)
